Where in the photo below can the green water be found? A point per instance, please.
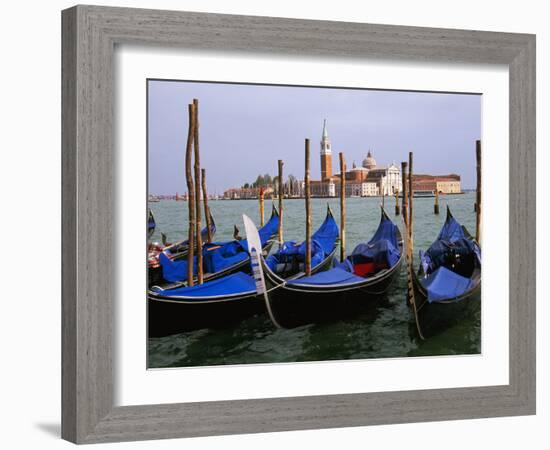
(387, 333)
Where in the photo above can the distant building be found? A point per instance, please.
(326, 154)
(241, 193)
(365, 181)
(247, 193)
(444, 184)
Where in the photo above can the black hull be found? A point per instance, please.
(172, 317)
(436, 317)
(154, 276)
(169, 316)
(294, 306)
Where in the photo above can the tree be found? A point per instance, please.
(291, 182)
(275, 182)
(259, 182)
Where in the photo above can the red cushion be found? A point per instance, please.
(363, 269)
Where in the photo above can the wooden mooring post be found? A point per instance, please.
(436, 200)
(261, 196)
(478, 208)
(190, 194)
(410, 247)
(411, 194)
(207, 215)
(308, 209)
(281, 195)
(342, 207)
(404, 194)
(198, 236)
(397, 209)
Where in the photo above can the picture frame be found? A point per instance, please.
(89, 37)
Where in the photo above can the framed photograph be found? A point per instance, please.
(320, 214)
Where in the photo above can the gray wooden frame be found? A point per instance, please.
(89, 36)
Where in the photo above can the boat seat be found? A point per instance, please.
(328, 277)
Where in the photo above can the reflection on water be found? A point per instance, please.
(385, 333)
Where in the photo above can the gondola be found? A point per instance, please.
(350, 287)
(227, 300)
(151, 225)
(176, 251)
(447, 284)
(219, 258)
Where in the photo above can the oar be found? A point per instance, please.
(151, 229)
(411, 297)
(255, 250)
(410, 248)
(236, 233)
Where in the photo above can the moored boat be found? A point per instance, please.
(224, 301)
(175, 251)
(219, 258)
(151, 224)
(348, 288)
(448, 281)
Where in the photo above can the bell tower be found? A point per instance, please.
(326, 154)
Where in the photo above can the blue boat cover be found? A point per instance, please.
(326, 235)
(269, 229)
(323, 242)
(292, 253)
(382, 250)
(449, 263)
(216, 256)
(335, 275)
(386, 230)
(236, 283)
(451, 230)
(174, 271)
(441, 251)
(444, 284)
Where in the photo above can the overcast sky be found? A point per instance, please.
(245, 129)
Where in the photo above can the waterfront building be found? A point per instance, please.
(367, 180)
(444, 184)
(241, 193)
(326, 154)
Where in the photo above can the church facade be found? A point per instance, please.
(365, 181)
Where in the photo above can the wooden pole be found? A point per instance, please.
(383, 193)
(436, 201)
(411, 193)
(198, 236)
(405, 195)
(397, 210)
(410, 248)
(261, 199)
(190, 194)
(281, 195)
(478, 192)
(308, 212)
(342, 207)
(206, 209)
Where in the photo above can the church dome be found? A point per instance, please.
(369, 162)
